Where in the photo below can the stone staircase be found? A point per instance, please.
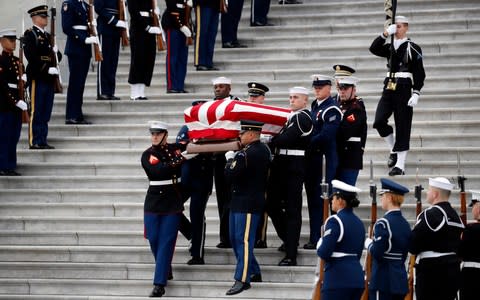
(71, 226)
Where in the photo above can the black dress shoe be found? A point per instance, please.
(287, 262)
(309, 246)
(392, 160)
(170, 275)
(224, 245)
(196, 261)
(173, 92)
(158, 291)
(36, 147)
(289, 2)
(11, 173)
(396, 171)
(112, 97)
(77, 122)
(281, 248)
(139, 98)
(47, 146)
(3, 173)
(256, 278)
(237, 44)
(238, 287)
(103, 97)
(259, 24)
(261, 244)
(205, 68)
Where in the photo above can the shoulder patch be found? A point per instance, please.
(153, 160)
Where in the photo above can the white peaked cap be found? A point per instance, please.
(351, 80)
(156, 126)
(8, 32)
(342, 186)
(401, 19)
(441, 183)
(221, 80)
(298, 90)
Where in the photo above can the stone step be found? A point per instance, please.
(89, 297)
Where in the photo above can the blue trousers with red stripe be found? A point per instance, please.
(243, 227)
(176, 62)
(161, 231)
(41, 94)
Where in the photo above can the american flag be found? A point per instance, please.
(220, 119)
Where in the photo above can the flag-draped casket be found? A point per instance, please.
(220, 119)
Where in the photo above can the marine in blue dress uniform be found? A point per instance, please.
(287, 174)
(435, 242)
(207, 13)
(248, 186)
(341, 246)
(173, 22)
(109, 33)
(406, 71)
(389, 247)
(11, 105)
(326, 116)
(352, 132)
(41, 71)
(78, 49)
(163, 203)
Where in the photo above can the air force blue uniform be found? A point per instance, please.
(326, 116)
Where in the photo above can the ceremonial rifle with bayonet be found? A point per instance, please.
(156, 23)
(463, 194)
(122, 16)
(390, 10)
(92, 30)
(21, 83)
(58, 88)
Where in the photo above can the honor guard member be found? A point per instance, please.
(326, 116)
(207, 14)
(287, 174)
(229, 24)
(341, 246)
(470, 253)
(142, 46)
(256, 92)
(11, 106)
(78, 49)
(389, 247)
(247, 171)
(435, 242)
(164, 201)
(340, 72)
(258, 13)
(401, 91)
(352, 133)
(41, 72)
(109, 32)
(177, 33)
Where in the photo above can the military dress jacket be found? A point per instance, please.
(9, 76)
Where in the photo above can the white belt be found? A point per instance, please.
(471, 264)
(354, 139)
(342, 254)
(432, 254)
(400, 75)
(164, 182)
(291, 152)
(145, 14)
(80, 27)
(13, 86)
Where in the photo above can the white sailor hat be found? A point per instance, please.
(321, 80)
(347, 81)
(401, 19)
(340, 187)
(8, 33)
(298, 90)
(441, 183)
(158, 126)
(475, 197)
(221, 80)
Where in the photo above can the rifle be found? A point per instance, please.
(21, 84)
(390, 10)
(411, 263)
(373, 219)
(188, 11)
(123, 17)
(463, 195)
(156, 23)
(53, 42)
(317, 289)
(92, 29)
(223, 7)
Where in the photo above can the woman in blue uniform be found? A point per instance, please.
(341, 246)
(389, 247)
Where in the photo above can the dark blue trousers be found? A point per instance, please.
(230, 21)
(206, 33)
(41, 95)
(343, 294)
(242, 237)
(161, 231)
(259, 11)
(176, 63)
(10, 128)
(198, 202)
(78, 67)
(107, 68)
(349, 176)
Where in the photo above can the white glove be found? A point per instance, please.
(319, 243)
(53, 71)
(189, 3)
(229, 155)
(156, 10)
(188, 155)
(391, 29)
(154, 30)
(265, 138)
(55, 49)
(91, 40)
(21, 104)
(184, 29)
(413, 100)
(121, 24)
(226, 3)
(367, 243)
(24, 77)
